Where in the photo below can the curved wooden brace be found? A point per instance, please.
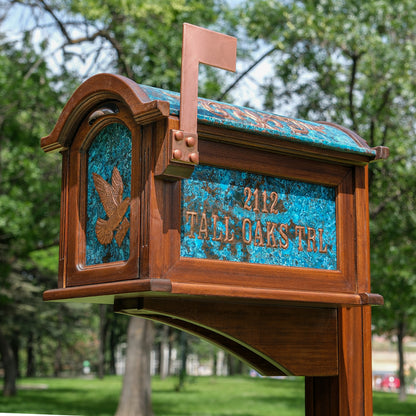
(271, 338)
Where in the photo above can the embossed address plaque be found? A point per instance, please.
(237, 216)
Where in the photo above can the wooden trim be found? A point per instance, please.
(270, 164)
(346, 228)
(255, 276)
(367, 361)
(324, 299)
(77, 273)
(188, 270)
(363, 229)
(108, 292)
(63, 232)
(321, 396)
(279, 145)
(92, 93)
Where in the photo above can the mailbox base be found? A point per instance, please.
(107, 293)
(331, 347)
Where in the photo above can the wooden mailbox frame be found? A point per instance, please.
(155, 241)
(229, 303)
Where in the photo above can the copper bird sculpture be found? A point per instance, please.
(111, 197)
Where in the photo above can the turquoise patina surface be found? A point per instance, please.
(244, 217)
(265, 123)
(110, 149)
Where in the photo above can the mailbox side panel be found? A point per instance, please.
(102, 214)
(226, 276)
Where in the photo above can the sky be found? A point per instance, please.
(247, 90)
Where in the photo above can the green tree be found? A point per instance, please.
(139, 39)
(29, 192)
(352, 63)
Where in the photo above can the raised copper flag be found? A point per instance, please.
(111, 196)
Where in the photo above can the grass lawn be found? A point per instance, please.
(202, 396)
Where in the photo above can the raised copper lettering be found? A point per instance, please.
(258, 235)
(191, 214)
(247, 194)
(216, 237)
(244, 228)
(284, 241)
(256, 200)
(274, 199)
(300, 233)
(203, 227)
(311, 240)
(271, 226)
(322, 249)
(252, 201)
(265, 203)
(228, 237)
(257, 230)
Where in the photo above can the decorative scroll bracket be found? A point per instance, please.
(205, 47)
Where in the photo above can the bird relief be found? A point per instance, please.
(111, 197)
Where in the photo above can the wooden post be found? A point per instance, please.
(350, 392)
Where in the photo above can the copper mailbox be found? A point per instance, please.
(256, 206)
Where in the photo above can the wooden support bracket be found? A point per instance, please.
(275, 340)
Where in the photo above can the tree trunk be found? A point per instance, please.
(232, 365)
(113, 346)
(57, 364)
(135, 399)
(183, 341)
(30, 365)
(9, 366)
(164, 353)
(220, 367)
(400, 338)
(15, 344)
(101, 348)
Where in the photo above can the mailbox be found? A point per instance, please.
(258, 206)
(246, 228)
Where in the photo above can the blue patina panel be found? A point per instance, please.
(108, 196)
(245, 217)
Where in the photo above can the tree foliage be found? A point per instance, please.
(353, 63)
(61, 40)
(139, 39)
(29, 201)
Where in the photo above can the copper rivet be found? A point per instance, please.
(178, 135)
(194, 157)
(177, 154)
(190, 141)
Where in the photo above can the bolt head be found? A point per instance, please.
(190, 141)
(194, 157)
(178, 135)
(177, 154)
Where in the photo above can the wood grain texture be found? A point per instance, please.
(296, 341)
(76, 271)
(349, 393)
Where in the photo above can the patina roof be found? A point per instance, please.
(235, 117)
(149, 104)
